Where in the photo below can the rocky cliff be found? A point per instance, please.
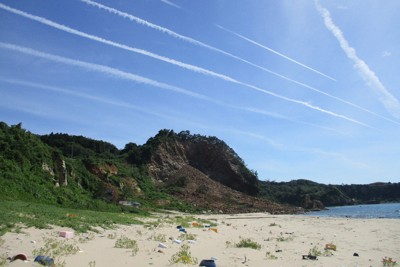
(208, 155)
(206, 172)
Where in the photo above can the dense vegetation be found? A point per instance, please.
(98, 175)
(294, 192)
(373, 193)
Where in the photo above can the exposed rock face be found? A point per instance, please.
(309, 204)
(127, 186)
(217, 162)
(102, 171)
(195, 187)
(207, 173)
(46, 168)
(63, 174)
(61, 170)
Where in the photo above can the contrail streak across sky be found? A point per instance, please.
(391, 103)
(144, 80)
(178, 63)
(274, 51)
(83, 95)
(208, 72)
(181, 37)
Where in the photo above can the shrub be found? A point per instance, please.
(184, 236)
(183, 256)
(125, 242)
(159, 238)
(270, 256)
(388, 262)
(248, 243)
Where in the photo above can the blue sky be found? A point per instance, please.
(299, 89)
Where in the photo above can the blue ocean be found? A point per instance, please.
(388, 210)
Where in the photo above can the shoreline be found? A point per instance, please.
(283, 240)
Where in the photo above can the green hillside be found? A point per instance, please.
(97, 173)
(79, 172)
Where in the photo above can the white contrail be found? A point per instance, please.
(274, 51)
(130, 106)
(115, 44)
(101, 68)
(387, 99)
(162, 58)
(283, 117)
(171, 4)
(82, 95)
(182, 64)
(179, 36)
(144, 80)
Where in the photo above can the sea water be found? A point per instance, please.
(387, 210)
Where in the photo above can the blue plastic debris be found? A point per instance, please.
(208, 263)
(44, 260)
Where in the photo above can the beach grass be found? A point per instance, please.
(56, 249)
(183, 256)
(16, 215)
(248, 243)
(125, 242)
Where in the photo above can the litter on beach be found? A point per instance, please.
(162, 245)
(66, 234)
(44, 260)
(330, 246)
(196, 224)
(208, 263)
(20, 256)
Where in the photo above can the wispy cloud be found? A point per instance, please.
(171, 4)
(391, 104)
(144, 80)
(258, 136)
(108, 101)
(274, 51)
(386, 53)
(309, 150)
(334, 155)
(283, 117)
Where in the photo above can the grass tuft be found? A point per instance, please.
(183, 256)
(248, 243)
(125, 242)
(56, 249)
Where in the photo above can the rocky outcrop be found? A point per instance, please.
(207, 173)
(48, 169)
(193, 186)
(63, 174)
(103, 171)
(312, 204)
(215, 160)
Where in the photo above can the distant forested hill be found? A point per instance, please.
(297, 192)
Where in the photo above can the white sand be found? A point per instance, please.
(372, 239)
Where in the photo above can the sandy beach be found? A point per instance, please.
(283, 240)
